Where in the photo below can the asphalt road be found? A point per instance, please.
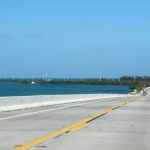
(124, 128)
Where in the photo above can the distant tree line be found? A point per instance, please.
(137, 82)
(136, 78)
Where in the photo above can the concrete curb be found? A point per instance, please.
(23, 102)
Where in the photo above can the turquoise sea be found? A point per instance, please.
(19, 89)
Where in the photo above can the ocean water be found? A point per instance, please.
(19, 89)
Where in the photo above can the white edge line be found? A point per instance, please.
(42, 111)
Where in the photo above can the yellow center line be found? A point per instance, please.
(74, 127)
(78, 127)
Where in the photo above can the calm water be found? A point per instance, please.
(18, 89)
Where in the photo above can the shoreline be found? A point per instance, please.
(12, 103)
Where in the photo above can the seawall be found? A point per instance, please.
(22, 102)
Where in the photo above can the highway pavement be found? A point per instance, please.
(106, 124)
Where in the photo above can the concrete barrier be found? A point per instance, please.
(22, 102)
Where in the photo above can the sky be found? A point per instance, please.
(74, 39)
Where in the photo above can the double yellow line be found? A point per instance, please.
(70, 128)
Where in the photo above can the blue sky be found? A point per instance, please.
(82, 38)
